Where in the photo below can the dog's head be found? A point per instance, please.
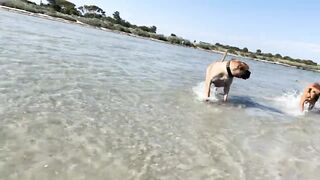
(239, 69)
(314, 92)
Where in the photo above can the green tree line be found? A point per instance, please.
(96, 16)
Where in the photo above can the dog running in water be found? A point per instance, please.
(310, 96)
(221, 74)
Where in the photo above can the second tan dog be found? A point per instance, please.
(221, 75)
(310, 95)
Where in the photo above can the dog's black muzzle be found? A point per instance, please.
(246, 74)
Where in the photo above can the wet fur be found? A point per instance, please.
(310, 96)
(217, 75)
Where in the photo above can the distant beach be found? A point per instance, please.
(48, 17)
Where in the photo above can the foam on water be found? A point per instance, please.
(236, 102)
(288, 102)
(285, 104)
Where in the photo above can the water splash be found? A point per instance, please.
(288, 102)
(285, 104)
(198, 90)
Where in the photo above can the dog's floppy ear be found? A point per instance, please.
(240, 67)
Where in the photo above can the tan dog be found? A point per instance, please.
(221, 75)
(310, 95)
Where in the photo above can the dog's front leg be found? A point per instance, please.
(302, 101)
(226, 92)
(311, 105)
(226, 89)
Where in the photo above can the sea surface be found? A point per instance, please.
(81, 103)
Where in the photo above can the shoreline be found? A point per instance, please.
(47, 17)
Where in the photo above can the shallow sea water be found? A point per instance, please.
(81, 103)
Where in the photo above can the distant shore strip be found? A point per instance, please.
(172, 39)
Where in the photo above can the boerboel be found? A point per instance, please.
(221, 74)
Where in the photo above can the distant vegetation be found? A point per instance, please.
(96, 16)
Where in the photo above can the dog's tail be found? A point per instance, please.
(224, 56)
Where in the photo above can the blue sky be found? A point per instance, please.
(288, 27)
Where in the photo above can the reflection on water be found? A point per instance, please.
(79, 103)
